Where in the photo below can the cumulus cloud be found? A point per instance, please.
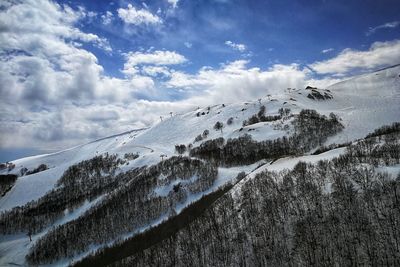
(38, 55)
(134, 16)
(388, 25)
(91, 14)
(44, 69)
(235, 46)
(379, 54)
(158, 57)
(63, 96)
(235, 80)
(155, 71)
(24, 21)
(107, 18)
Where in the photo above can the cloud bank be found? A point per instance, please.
(379, 54)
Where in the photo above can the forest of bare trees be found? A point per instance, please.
(342, 212)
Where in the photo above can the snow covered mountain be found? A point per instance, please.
(141, 168)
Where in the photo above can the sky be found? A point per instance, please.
(75, 71)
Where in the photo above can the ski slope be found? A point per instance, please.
(364, 103)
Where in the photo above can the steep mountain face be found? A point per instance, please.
(289, 179)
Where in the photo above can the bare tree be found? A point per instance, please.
(218, 126)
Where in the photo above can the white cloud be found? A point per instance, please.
(173, 3)
(379, 54)
(158, 57)
(155, 71)
(327, 50)
(91, 14)
(107, 17)
(42, 18)
(235, 81)
(63, 96)
(239, 47)
(388, 25)
(134, 16)
(41, 32)
(44, 69)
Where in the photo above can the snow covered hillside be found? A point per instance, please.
(362, 104)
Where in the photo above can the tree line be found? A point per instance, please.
(310, 129)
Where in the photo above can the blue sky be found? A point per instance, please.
(283, 31)
(73, 71)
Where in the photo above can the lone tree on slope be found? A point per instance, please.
(218, 126)
(180, 149)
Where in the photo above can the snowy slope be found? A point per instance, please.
(367, 102)
(364, 103)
